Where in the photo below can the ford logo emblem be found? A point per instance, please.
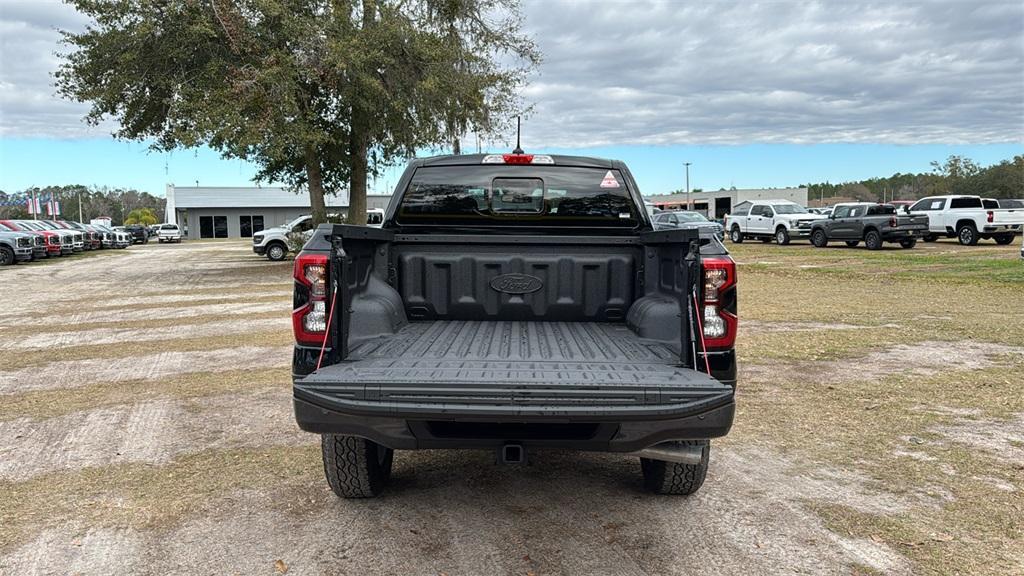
(516, 283)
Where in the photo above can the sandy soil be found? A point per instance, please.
(447, 512)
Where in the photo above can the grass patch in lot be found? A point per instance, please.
(242, 317)
(144, 495)
(76, 256)
(849, 392)
(26, 359)
(41, 404)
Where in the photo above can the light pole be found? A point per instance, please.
(687, 164)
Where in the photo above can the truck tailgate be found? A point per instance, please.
(523, 369)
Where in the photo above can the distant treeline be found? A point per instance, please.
(82, 203)
(957, 175)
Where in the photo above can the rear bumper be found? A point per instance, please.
(894, 235)
(1014, 228)
(445, 430)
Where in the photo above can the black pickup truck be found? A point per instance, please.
(512, 302)
(871, 222)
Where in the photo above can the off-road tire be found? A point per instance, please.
(967, 234)
(852, 243)
(6, 256)
(735, 235)
(782, 236)
(1003, 239)
(819, 238)
(663, 477)
(873, 240)
(908, 243)
(355, 467)
(276, 252)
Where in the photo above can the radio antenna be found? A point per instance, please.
(518, 149)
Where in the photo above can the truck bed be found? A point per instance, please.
(514, 368)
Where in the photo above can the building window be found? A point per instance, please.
(249, 225)
(213, 227)
(206, 226)
(220, 226)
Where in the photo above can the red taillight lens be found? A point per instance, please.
(893, 222)
(991, 217)
(719, 324)
(309, 320)
(517, 158)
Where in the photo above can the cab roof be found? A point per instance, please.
(476, 159)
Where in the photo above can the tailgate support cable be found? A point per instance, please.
(700, 330)
(330, 317)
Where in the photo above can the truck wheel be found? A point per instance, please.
(1003, 239)
(356, 467)
(908, 243)
(852, 243)
(873, 240)
(782, 236)
(967, 234)
(929, 237)
(819, 239)
(276, 252)
(735, 235)
(6, 256)
(663, 477)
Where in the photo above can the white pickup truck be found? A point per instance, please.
(966, 219)
(169, 233)
(767, 219)
(273, 242)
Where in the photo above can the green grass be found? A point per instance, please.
(811, 395)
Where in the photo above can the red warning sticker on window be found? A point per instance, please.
(609, 181)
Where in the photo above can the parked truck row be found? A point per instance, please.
(966, 218)
(27, 240)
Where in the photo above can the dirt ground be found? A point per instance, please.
(146, 428)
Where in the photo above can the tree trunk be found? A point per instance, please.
(359, 142)
(456, 146)
(315, 184)
(358, 147)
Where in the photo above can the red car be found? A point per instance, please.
(50, 240)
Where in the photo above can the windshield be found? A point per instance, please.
(518, 196)
(789, 209)
(690, 217)
(4, 228)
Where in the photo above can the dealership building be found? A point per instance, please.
(238, 212)
(715, 205)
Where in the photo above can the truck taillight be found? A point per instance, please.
(719, 314)
(309, 317)
(990, 216)
(893, 222)
(517, 159)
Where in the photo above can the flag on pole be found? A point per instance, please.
(53, 207)
(35, 208)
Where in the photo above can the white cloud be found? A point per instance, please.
(689, 73)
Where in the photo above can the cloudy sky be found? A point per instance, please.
(754, 95)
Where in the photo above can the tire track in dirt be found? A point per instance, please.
(153, 432)
(97, 336)
(455, 512)
(73, 373)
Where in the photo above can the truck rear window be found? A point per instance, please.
(509, 195)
